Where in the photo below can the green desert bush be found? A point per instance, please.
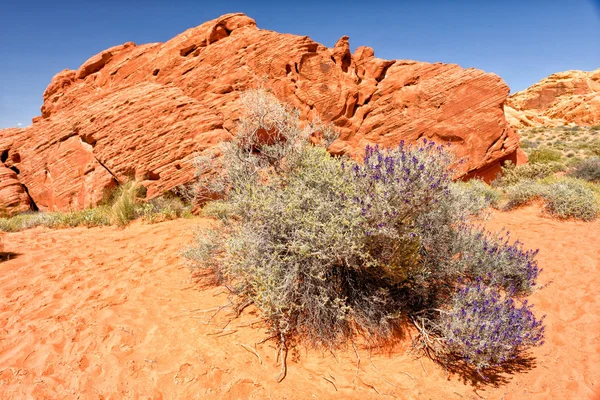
(562, 197)
(523, 192)
(477, 195)
(163, 208)
(89, 217)
(328, 248)
(571, 198)
(512, 174)
(588, 169)
(544, 155)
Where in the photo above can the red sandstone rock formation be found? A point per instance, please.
(144, 111)
(13, 197)
(560, 99)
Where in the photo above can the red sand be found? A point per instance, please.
(104, 313)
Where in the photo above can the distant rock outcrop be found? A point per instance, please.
(560, 99)
(144, 111)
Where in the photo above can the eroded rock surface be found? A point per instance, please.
(145, 111)
(570, 97)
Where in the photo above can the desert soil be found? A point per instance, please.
(107, 313)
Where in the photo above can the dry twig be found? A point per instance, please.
(253, 351)
(332, 382)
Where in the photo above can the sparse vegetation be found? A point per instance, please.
(563, 197)
(327, 248)
(522, 192)
(123, 206)
(575, 154)
(477, 195)
(579, 141)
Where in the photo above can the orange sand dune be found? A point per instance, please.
(105, 313)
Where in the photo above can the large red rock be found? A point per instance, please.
(13, 197)
(145, 111)
(570, 97)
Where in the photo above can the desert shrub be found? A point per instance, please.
(327, 248)
(570, 198)
(487, 328)
(88, 217)
(163, 208)
(529, 144)
(544, 156)
(476, 195)
(588, 169)
(562, 197)
(496, 260)
(512, 174)
(522, 193)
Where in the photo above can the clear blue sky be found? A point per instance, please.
(522, 41)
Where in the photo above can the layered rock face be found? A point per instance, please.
(570, 97)
(13, 197)
(144, 111)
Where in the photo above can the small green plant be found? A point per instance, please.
(163, 208)
(595, 148)
(562, 197)
(90, 217)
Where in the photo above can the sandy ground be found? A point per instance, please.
(104, 313)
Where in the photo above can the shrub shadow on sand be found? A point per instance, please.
(8, 255)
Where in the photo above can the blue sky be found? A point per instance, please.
(522, 41)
